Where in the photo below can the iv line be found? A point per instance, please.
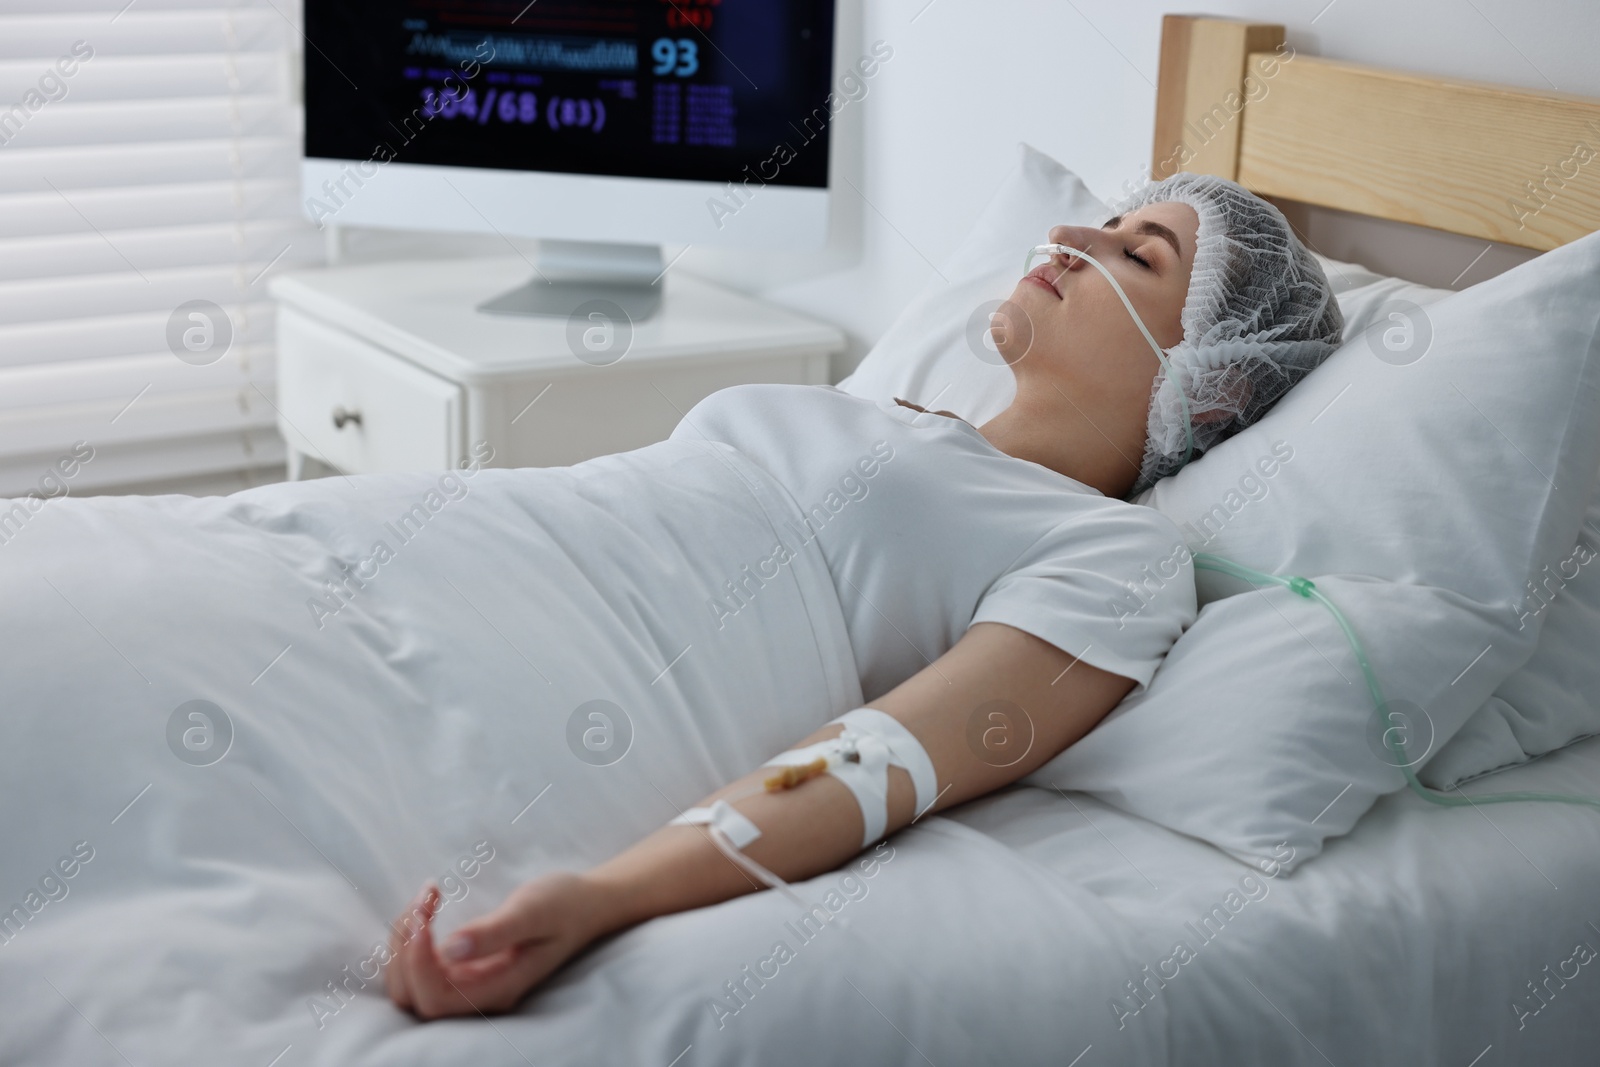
(1303, 587)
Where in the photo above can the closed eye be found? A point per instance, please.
(1131, 254)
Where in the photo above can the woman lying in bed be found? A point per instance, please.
(991, 548)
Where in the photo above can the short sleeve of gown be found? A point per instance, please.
(1113, 586)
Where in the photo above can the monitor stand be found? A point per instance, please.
(573, 273)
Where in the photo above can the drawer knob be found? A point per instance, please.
(341, 416)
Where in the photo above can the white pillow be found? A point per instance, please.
(1413, 490)
(1366, 297)
(1257, 730)
(1554, 698)
(938, 352)
(1402, 454)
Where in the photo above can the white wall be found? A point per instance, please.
(969, 78)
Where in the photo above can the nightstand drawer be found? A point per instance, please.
(364, 410)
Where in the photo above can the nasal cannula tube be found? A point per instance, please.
(1183, 396)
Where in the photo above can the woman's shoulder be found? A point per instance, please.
(770, 404)
(777, 395)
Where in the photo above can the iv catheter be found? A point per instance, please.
(860, 756)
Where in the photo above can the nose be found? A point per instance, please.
(1082, 237)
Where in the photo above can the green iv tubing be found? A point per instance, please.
(1303, 586)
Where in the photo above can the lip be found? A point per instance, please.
(1045, 274)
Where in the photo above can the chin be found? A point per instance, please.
(1011, 328)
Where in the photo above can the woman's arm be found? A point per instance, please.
(491, 963)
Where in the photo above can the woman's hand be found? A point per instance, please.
(491, 963)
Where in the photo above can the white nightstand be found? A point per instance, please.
(388, 366)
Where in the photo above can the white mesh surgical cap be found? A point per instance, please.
(1259, 316)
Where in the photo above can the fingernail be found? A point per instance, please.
(458, 947)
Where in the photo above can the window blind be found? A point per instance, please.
(149, 159)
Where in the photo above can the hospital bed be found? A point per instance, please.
(225, 909)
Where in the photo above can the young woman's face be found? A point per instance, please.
(1064, 326)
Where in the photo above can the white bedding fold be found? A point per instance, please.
(434, 712)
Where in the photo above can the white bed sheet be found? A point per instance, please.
(987, 937)
(1407, 942)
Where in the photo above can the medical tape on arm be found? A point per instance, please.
(860, 757)
(731, 831)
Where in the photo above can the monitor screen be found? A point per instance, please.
(696, 90)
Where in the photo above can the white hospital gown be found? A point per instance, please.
(927, 528)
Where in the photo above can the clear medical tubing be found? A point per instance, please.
(736, 854)
(1305, 588)
(1166, 365)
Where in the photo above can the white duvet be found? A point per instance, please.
(210, 890)
(241, 732)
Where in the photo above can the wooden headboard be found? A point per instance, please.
(1483, 160)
